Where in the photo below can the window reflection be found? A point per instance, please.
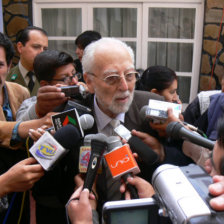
(171, 23)
(115, 22)
(62, 22)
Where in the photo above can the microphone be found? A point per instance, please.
(156, 110)
(85, 151)
(86, 121)
(144, 114)
(121, 162)
(48, 150)
(176, 130)
(147, 155)
(98, 146)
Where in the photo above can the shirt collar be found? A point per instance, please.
(102, 119)
(23, 70)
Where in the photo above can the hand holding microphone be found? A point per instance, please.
(121, 163)
(98, 146)
(144, 151)
(152, 142)
(48, 150)
(144, 188)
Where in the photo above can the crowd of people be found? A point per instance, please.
(30, 94)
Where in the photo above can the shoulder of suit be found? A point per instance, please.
(14, 73)
(141, 98)
(145, 95)
(14, 69)
(15, 87)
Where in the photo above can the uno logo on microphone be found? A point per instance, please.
(121, 161)
(126, 159)
(46, 151)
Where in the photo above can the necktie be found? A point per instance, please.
(114, 123)
(30, 74)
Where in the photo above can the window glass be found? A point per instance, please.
(171, 23)
(184, 86)
(177, 56)
(62, 22)
(115, 22)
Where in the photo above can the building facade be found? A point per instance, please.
(180, 34)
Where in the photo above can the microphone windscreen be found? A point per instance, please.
(173, 129)
(68, 136)
(143, 112)
(86, 121)
(113, 142)
(147, 155)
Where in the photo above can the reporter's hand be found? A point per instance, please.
(49, 97)
(79, 181)
(152, 142)
(79, 209)
(217, 190)
(36, 134)
(144, 189)
(21, 176)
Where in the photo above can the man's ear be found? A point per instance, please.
(154, 91)
(89, 82)
(19, 46)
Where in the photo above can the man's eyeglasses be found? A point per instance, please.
(68, 79)
(114, 79)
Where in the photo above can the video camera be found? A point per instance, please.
(181, 193)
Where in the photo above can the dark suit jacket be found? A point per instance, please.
(132, 121)
(16, 76)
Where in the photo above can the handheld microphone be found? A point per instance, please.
(85, 152)
(98, 146)
(121, 162)
(156, 110)
(84, 122)
(147, 155)
(48, 150)
(176, 130)
(143, 113)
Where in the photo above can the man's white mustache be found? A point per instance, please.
(122, 95)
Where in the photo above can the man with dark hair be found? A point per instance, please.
(51, 68)
(30, 42)
(83, 40)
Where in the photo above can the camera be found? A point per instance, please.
(157, 110)
(142, 211)
(75, 91)
(181, 193)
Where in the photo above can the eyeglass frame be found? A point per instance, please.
(137, 77)
(69, 78)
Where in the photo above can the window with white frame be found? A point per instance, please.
(159, 32)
